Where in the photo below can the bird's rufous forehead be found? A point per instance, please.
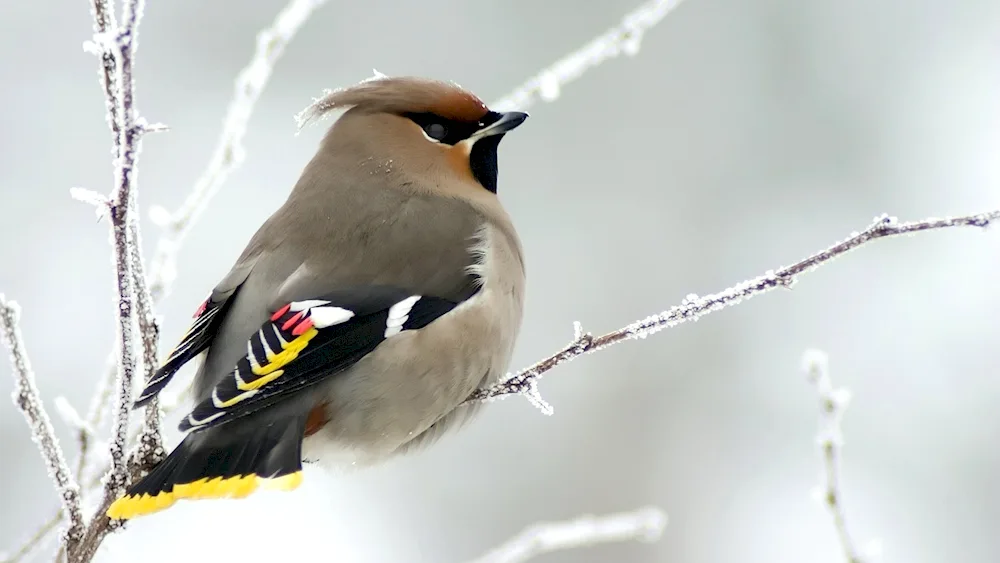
(401, 94)
(458, 104)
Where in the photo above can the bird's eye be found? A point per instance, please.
(436, 131)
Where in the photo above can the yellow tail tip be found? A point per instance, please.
(284, 483)
(131, 506)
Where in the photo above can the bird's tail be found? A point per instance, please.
(230, 460)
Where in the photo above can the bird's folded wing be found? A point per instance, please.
(306, 341)
(207, 320)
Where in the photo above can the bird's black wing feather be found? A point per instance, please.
(306, 341)
(198, 337)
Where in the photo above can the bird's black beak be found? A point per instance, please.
(503, 122)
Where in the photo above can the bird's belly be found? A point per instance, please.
(412, 381)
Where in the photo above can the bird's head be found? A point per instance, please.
(433, 132)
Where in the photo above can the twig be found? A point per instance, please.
(130, 130)
(105, 24)
(118, 44)
(646, 524)
(28, 400)
(151, 433)
(694, 307)
(229, 153)
(833, 403)
(623, 38)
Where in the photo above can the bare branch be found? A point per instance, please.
(28, 400)
(229, 153)
(151, 436)
(104, 24)
(694, 307)
(117, 44)
(646, 524)
(833, 403)
(130, 131)
(623, 38)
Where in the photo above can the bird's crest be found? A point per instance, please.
(399, 94)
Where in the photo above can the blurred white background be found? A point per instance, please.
(743, 136)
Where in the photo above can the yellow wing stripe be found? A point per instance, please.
(219, 404)
(131, 506)
(282, 358)
(256, 383)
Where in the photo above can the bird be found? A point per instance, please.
(364, 311)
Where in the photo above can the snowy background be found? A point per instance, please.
(743, 136)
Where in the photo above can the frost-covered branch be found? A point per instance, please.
(117, 43)
(127, 129)
(229, 153)
(150, 450)
(693, 307)
(130, 129)
(625, 37)
(227, 156)
(646, 524)
(105, 23)
(29, 402)
(832, 403)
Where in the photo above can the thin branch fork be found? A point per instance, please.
(693, 307)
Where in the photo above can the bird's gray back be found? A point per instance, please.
(311, 246)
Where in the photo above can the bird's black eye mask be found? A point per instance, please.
(450, 131)
(482, 158)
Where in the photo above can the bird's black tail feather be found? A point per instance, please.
(230, 460)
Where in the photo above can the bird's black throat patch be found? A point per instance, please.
(483, 160)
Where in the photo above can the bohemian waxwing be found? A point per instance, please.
(365, 310)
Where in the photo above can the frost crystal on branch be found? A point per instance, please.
(100, 201)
